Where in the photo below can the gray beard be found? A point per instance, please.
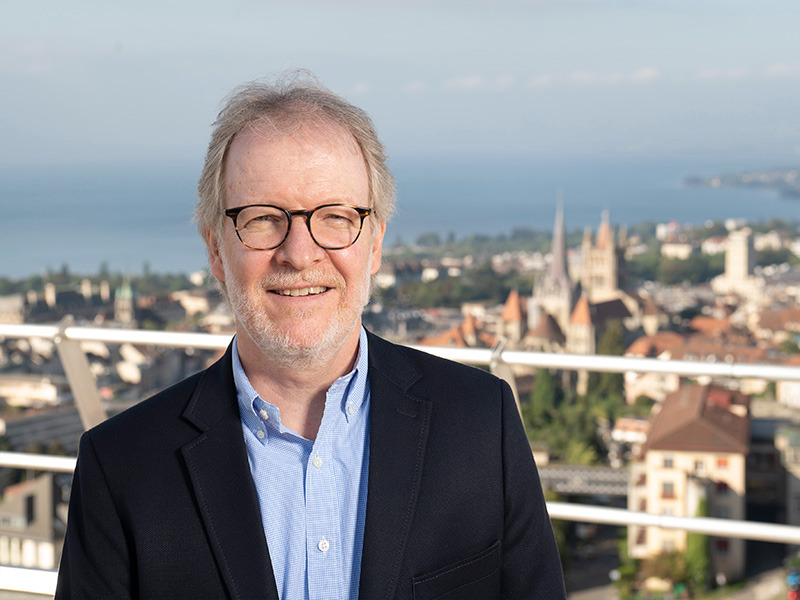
(281, 349)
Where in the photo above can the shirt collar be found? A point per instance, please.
(262, 416)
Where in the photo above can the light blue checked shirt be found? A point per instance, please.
(312, 494)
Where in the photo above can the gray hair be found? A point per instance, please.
(295, 99)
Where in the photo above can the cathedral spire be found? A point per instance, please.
(558, 267)
(605, 235)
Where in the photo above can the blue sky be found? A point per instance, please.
(88, 81)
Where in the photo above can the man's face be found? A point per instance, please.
(298, 302)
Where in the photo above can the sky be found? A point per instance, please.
(94, 81)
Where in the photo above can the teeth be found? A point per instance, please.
(310, 291)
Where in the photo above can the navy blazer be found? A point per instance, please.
(163, 503)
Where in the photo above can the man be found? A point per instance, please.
(314, 460)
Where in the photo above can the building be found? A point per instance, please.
(603, 270)
(738, 277)
(33, 522)
(31, 390)
(696, 450)
(787, 442)
(554, 294)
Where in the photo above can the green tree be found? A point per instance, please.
(579, 452)
(789, 347)
(697, 554)
(667, 565)
(545, 398)
(609, 385)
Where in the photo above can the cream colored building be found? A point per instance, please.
(738, 277)
(696, 450)
(32, 524)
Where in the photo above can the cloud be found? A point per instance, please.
(415, 87)
(466, 83)
(541, 81)
(645, 75)
(584, 77)
(731, 74)
(473, 83)
(595, 78)
(781, 70)
(28, 57)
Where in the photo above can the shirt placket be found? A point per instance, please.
(323, 538)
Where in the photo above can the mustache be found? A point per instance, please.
(311, 277)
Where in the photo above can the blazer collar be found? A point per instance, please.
(399, 423)
(220, 477)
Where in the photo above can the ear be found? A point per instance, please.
(377, 247)
(214, 257)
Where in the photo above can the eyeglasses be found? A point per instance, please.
(265, 227)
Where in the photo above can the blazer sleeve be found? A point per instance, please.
(531, 564)
(95, 562)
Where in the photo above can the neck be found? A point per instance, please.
(298, 390)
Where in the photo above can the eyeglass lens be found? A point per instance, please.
(265, 227)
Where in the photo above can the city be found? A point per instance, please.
(722, 293)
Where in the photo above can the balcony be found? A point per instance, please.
(68, 338)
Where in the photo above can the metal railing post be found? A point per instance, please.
(503, 370)
(80, 378)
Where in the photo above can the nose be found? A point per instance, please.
(299, 250)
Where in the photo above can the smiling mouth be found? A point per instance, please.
(309, 291)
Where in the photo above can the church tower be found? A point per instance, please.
(603, 263)
(124, 306)
(553, 292)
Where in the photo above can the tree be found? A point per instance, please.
(429, 240)
(580, 453)
(609, 385)
(697, 554)
(670, 566)
(545, 397)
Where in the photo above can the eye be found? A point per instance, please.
(261, 217)
(338, 216)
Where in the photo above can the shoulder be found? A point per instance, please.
(413, 368)
(160, 415)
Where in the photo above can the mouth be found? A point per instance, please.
(308, 291)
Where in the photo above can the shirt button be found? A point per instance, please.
(323, 545)
(350, 409)
(317, 462)
(263, 414)
(260, 434)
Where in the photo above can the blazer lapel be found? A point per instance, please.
(398, 435)
(223, 486)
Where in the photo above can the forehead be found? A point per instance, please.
(266, 143)
(297, 163)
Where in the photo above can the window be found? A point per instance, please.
(722, 463)
(30, 509)
(669, 463)
(699, 467)
(722, 546)
(668, 489)
(641, 537)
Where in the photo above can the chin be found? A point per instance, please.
(298, 349)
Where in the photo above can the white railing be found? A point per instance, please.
(32, 580)
(472, 356)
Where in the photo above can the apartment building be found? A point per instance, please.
(697, 449)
